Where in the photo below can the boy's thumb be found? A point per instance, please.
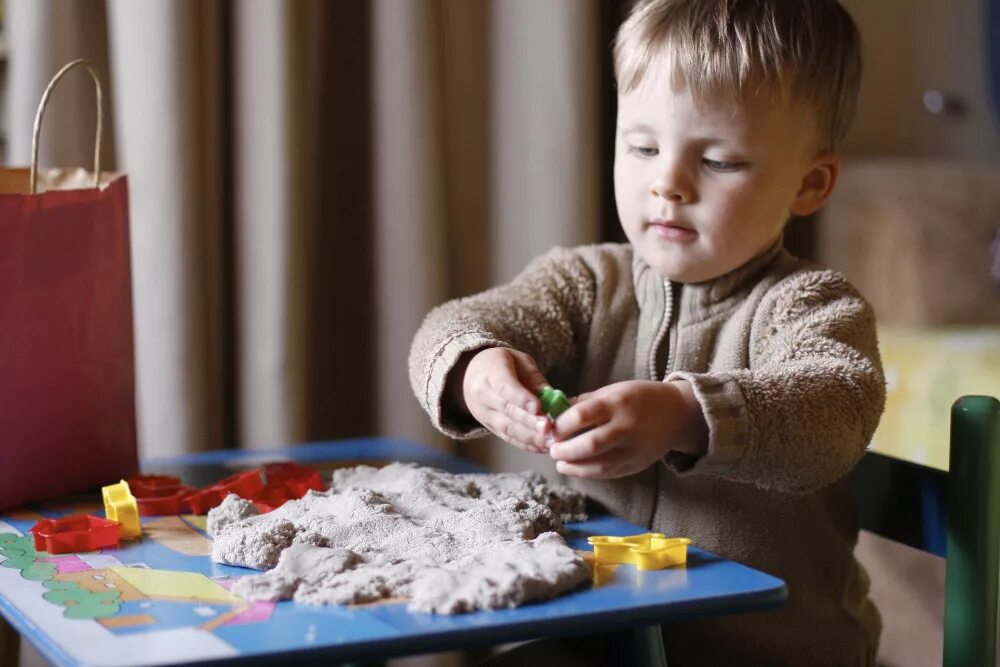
(531, 377)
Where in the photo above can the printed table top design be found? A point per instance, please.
(161, 600)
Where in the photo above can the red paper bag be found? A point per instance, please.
(67, 397)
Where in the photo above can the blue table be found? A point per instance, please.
(175, 607)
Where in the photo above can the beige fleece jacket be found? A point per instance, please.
(784, 360)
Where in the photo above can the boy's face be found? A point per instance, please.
(702, 189)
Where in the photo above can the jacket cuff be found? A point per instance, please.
(725, 411)
(450, 422)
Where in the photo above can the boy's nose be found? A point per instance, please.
(674, 187)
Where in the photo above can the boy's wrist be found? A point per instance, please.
(454, 388)
(693, 437)
(454, 394)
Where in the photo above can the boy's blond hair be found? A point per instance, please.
(809, 49)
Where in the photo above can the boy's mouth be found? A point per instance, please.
(673, 230)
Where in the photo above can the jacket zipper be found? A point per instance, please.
(668, 314)
(669, 366)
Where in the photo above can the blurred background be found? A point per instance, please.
(308, 178)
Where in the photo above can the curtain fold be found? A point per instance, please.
(273, 151)
(545, 129)
(43, 36)
(308, 179)
(410, 239)
(165, 58)
(545, 143)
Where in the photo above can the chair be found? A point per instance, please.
(955, 515)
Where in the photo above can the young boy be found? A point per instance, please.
(724, 388)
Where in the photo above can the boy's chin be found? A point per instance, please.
(679, 270)
(689, 277)
(691, 264)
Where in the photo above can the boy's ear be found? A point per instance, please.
(817, 184)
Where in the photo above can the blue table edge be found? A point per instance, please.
(457, 639)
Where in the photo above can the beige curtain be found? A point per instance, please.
(307, 179)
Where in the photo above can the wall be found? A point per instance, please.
(915, 45)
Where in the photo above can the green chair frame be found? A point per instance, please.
(955, 515)
(970, 620)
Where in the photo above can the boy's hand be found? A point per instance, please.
(500, 389)
(621, 429)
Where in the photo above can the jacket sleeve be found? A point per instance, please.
(802, 415)
(545, 312)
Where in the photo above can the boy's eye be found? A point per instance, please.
(722, 165)
(644, 151)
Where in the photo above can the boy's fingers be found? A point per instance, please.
(518, 396)
(516, 433)
(582, 415)
(536, 424)
(600, 467)
(594, 443)
(514, 390)
(504, 417)
(499, 401)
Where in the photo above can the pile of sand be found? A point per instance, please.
(449, 543)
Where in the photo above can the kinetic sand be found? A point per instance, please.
(448, 543)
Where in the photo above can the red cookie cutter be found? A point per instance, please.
(79, 532)
(244, 484)
(270, 499)
(296, 478)
(160, 495)
(287, 481)
(148, 486)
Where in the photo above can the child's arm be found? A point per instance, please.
(802, 415)
(544, 313)
(797, 420)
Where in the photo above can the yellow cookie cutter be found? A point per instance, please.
(120, 506)
(648, 551)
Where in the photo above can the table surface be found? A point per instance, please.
(175, 606)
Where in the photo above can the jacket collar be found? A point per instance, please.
(704, 297)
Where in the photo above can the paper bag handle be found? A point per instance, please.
(41, 110)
